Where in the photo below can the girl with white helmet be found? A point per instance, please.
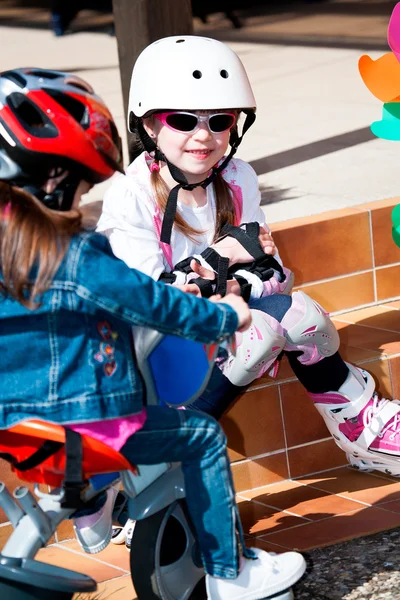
(187, 211)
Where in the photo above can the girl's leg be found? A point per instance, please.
(218, 395)
(324, 376)
(198, 442)
(220, 391)
(364, 426)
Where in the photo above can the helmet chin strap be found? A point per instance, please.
(61, 198)
(179, 177)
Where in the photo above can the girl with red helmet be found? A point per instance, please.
(70, 304)
(53, 124)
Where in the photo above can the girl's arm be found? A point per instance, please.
(128, 224)
(104, 282)
(247, 181)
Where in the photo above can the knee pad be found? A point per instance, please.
(257, 348)
(309, 329)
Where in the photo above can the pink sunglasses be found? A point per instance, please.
(186, 122)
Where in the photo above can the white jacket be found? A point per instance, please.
(131, 219)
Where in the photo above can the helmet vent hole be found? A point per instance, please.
(224, 74)
(179, 41)
(140, 104)
(15, 78)
(74, 107)
(31, 117)
(44, 74)
(197, 74)
(79, 84)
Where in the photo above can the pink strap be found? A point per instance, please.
(237, 197)
(166, 248)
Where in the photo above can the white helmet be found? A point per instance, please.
(188, 72)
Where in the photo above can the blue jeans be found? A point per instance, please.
(196, 441)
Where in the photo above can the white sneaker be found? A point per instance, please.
(267, 576)
(129, 533)
(93, 532)
(120, 534)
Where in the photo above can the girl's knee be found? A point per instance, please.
(206, 427)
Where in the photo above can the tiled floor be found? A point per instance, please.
(310, 512)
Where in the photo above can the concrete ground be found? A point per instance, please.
(311, 145)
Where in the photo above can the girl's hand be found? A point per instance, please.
(266, 241)
(239, 305)
(202, 271)
(189, 288)
(232, 286)
(230, 248)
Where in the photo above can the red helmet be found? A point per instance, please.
(54, 120)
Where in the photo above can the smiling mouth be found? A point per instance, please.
(204, 152)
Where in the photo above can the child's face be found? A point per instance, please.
(194, 153)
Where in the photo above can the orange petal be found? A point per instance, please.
(381, 76)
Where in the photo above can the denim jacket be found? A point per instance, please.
(71, 360)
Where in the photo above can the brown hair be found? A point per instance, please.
(31, 237)
(224, 205)
(225, 209)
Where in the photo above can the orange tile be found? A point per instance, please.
(335, 529)
(379, 317)
(378, 340)
(254, 424)
(266, 545)
(315, 457)
(385, 250)
(65, 531)
(258, 519)
(305, 501)
(329, 215)
(342, 293)
(357, 356)
(302, 421)
(391, 506)
(387, 282)
(115, 555)
(262, 471)
(116, 589)
(75, 561)
(339, 325)
(377, 204)
(5, 532)
(262, 494)
(326, 240)
(380, 370)
(394, 366)
(394, 305)
(363, 487)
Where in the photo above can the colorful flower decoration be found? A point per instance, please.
(382, 78)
